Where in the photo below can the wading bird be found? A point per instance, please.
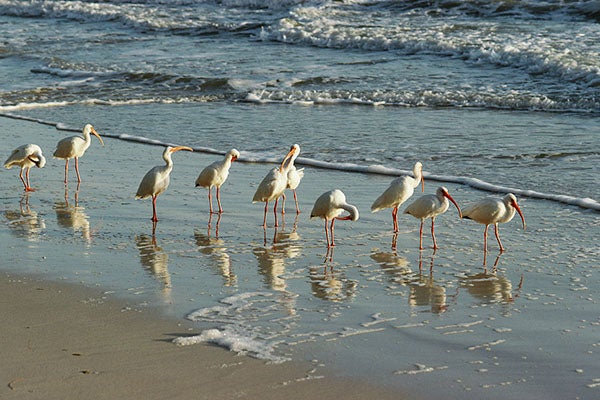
(75, 147)
(215, 175)
(272, 187)
(294, 177)
(328, 207)
(398, 192)
(490, 211)
(26, 156)
(430, 206)
(157, 179)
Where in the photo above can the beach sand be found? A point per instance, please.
(63, 341)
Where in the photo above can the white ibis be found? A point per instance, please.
(26, 156)
(215, 175)
(492, 210)
(294, 176)
(400, 190)
(75, 147)
(272, 187)
(430, 206)
(329, 206)
(157, 179)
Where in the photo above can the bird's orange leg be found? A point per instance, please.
(66, 171)
(77, 169)
(283, 203)
(327, 235)
(210, 200)
(296, 201)
(485, 239)
(331, 229)
(27, 187)
(265, 218)
(498, 237)
(435, 246)
(275, 212)
(395, 218)
(219, 201)
(154, 216)
(421, 235)
(23, 180)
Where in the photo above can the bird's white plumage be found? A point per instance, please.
(158, 178)
(75, 147)
(272, 186)
(492, 211)
(294, 175)
(400, 190)
(215, 174)
(26, 156)
(329, 206)
(430, 206)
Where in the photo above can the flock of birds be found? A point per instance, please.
(329, 206)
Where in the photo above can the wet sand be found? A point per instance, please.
(63, 341)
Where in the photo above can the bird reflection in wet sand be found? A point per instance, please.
(395, 266)
(24, 222)
(488, 287)
(424, 291)
(156, 261)
(272, 260)
(214, 247)
(331, 285)
(73, 216)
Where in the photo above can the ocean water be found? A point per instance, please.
(492, 97)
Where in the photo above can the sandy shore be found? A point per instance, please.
(64, 341)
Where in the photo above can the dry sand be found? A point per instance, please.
(64, 341)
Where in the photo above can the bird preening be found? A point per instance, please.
(25, 157)
(329, 206)
(273, 185)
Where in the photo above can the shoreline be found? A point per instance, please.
(63, 340)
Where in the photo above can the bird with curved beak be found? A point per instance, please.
(430, 206)
(490, 211)
(75, 147)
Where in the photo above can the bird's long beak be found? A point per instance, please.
(516, 206)
(98, 136)
(286, 158)
(447, 195)
(177, 148)
(233, 158)
(423, 185)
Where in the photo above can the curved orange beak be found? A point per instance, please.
(516, 206)
(447, 195)
(181, 148)
(98, 136)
